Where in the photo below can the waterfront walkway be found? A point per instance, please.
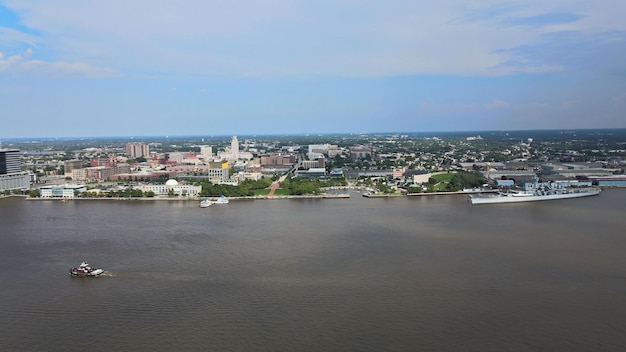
(273, 187)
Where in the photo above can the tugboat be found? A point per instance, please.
(85, 269)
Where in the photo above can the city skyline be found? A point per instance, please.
(205, 67)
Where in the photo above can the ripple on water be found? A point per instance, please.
(338, 275)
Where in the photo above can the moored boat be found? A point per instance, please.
(205, 203)
(545, 192)
(221, 200)
(85, 269)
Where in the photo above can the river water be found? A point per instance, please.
(358, 274)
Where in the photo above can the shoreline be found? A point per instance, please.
(145, 199)
(264, 197)
(423, 194)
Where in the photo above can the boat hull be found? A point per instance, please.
(96, 272)
(221, 200)
(500, 198)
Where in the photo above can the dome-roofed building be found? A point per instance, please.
(172, 187)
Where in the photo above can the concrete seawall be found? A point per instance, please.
(159, 199)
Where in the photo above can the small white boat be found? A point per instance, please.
(221, 200)
(85, 269)
(205, 203)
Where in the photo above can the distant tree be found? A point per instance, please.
(137, 193)
(162, 178)
(463, 180)
(383, 187)
(301, 186)
(414, 189)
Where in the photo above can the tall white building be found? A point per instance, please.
(234, 148)
(206, 151)
(317, 150)
(233, 154)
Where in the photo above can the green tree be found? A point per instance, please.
(383, 187)
(162, 178)
(414, 189)
(137, 193)
(301, 186)
(463, 180)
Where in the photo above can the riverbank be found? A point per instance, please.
(13, 195)
(176, 199)
(384, 195)
(263, 197)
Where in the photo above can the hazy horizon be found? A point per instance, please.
(483, 133)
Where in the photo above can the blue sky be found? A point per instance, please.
(208, 67)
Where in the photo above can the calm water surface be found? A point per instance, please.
(401, 274)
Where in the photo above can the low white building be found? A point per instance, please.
(312, 172)
(61, 191)
(18, 180)
(422, 178)
(242, 176)
(174, 187)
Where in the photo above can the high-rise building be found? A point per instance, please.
(234, 148)
(206, 151)
(11, 175)
(137, 150)
(233, 154)
(70, 165)
(9, 161)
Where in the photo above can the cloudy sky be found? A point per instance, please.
(212, 67)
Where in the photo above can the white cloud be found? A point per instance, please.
(448, 108)
(497, 104)
(283, 37)
(570, 104)
(619, 101)
(23, 64)
(13, 37)
(468, 108)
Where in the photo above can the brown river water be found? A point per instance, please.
(359, 274)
